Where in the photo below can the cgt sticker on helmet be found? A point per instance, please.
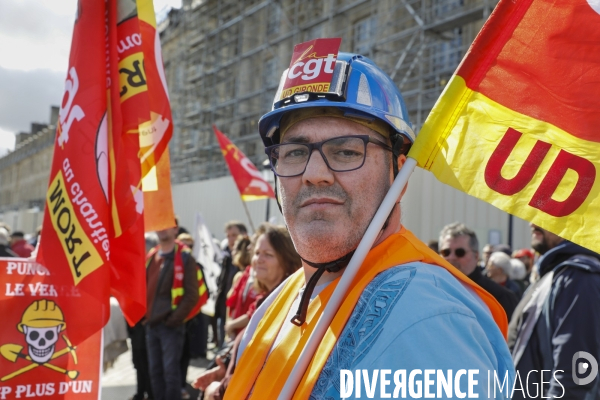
(312, 66)
(42, 323)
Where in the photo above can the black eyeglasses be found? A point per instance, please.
(460, 252)
(341, 154)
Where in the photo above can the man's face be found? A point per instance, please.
(468, 262)
(327, 212)
(232, 233)
(542, 240)
(487, 252)
(167, 235)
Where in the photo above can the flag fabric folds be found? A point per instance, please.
(249, 181)
(114, 123)
(157, 130)
(516, 125)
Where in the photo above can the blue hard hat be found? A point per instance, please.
(359, 88)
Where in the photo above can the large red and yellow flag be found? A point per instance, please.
(93, 231)
(247, 177)
(517, 125)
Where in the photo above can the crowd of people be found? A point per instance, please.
(14, 244)
(255, 265)
(163, 342)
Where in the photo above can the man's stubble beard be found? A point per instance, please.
(318, 241)
(541, 246)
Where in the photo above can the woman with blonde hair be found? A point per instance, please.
(274, 260)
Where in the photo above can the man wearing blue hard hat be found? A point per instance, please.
(336, 138)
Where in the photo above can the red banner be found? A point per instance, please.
(39, 356)
(248, 179)
(157, 130)
(92, 234)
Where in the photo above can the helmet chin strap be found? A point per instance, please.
(340, 263)
(332, 266)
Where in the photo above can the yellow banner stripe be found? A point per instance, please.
(111, 158)
(80, 252)
(250, 197)
(466, 130)
(146, 12)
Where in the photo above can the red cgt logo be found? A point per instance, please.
(312, 66)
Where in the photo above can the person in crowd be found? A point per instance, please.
(139, 350)
(527, 257)
(5, 250)
(196, 330)
(335, 156)
(518, 274)
(433, 245)
(555, 326)
(186, 239)
(36, 239)
(242, 293)
(233, 229)
(487, 251)
(499, 270)
(459, 246)
(19, 245)
(502, 248)
(274, 259)
(167, 310)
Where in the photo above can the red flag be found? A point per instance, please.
(93, 226)
(248, 179)
(157, 131)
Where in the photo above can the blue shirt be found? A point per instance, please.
(413, 317)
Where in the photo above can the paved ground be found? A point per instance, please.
(118, 383)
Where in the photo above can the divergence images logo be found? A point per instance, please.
(582, 367)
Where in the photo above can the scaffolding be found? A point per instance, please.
(223, 60)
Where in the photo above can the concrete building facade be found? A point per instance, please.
(24, 177)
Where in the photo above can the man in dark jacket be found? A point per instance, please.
(167, 311)
(460, 247)
(557, 323)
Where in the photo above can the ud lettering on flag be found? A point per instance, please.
(517, 125)
(248, 179)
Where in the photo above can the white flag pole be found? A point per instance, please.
(340, 291)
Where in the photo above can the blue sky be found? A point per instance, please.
(35, 37)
